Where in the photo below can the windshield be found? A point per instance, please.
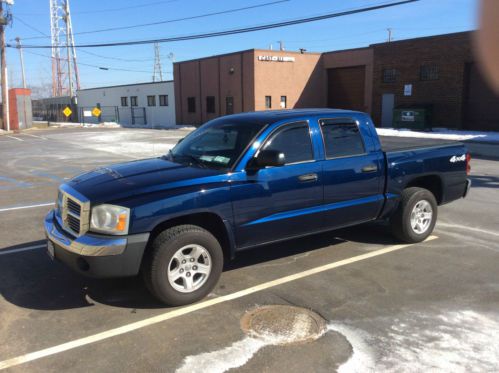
(217, 144)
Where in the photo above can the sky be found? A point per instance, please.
(32, 19)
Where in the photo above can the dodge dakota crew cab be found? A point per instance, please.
(242, 181)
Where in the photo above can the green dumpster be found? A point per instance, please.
(412, 118)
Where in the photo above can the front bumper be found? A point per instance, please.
(96, 255)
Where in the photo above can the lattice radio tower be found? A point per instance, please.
(65, 79)
(157, 75)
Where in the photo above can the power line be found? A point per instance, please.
(95, 66)
(110, 9)
(83, 50)
(115, 58)
(228, 11)
(31, 27)
(236, 31)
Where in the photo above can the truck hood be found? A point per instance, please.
(123, 180)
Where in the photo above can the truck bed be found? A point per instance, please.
(395, 144)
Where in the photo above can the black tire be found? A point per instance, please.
(401, 220)
(161, 252)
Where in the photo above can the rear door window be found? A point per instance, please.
(342, 138)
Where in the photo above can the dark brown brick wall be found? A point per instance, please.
(449, 52)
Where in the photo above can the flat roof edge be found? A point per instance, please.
(125, 85)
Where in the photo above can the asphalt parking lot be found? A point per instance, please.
(388, 307)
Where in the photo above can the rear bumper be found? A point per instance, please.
(96, 255)
(467, 188)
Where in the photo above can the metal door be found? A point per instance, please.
(387, 105)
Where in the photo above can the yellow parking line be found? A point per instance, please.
(194, 307)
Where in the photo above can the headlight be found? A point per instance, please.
(110, 219)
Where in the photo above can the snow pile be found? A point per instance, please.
(442, 133)
(102, 125)
(65, 124)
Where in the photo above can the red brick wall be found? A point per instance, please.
(449, 52)
(219, 76)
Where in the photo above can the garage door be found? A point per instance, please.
(346, 88)
(481, 103)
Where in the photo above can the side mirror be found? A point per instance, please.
(267, 158)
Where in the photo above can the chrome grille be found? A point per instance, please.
(75, 212)
(73, 223)
(74, 207)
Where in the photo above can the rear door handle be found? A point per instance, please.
(370, 168)
(308, 177)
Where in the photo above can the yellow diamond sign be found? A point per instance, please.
(96, 112)
(67, 111)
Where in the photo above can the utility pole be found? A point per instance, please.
(389, 34)
(21, 57)
(5, 19)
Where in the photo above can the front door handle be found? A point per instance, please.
(370, 168)
(308, 177)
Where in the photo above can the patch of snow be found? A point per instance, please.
(239, 353)
(234, 356)
(135, 144)
(68, 124)
(457, 341)
(362, 358)
(442, 133)
(102, 125)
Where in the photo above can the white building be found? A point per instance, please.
(133, 105)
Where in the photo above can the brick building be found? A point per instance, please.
(416, 72)
(245, 81)
(436, 72)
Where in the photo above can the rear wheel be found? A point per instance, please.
(416, 215)
(184, 265)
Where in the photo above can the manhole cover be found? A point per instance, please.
(283, 324)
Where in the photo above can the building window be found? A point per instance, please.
(428, 72)
(389, 75)
(268, 102)
(151, 100)
(191, 104)
(124, 101)
(229, 105)
(284, 102)
(163, 100)
(133, 101)
(210, 104)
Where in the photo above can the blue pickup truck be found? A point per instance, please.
(242, 181)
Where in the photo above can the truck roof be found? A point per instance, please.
(271, 116)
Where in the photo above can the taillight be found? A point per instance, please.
(468, 163)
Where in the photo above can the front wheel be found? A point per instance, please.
(184, 265)
(416, 215)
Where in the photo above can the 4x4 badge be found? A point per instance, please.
(455, 158)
